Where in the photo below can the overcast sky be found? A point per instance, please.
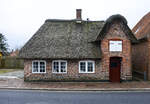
(20, 19)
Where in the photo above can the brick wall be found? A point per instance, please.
(115, 32)
(141, 57)
(72, 72)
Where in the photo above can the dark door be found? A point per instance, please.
(114, 70)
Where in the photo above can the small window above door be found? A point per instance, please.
(115, 46)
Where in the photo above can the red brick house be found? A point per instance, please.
(141, 51)
(79, 50)
(14, 53)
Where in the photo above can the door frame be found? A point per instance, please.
(119, 59)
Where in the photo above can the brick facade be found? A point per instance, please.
(101, 66)
(72, 72)
(141, 51)
(141, 57)
(115, 32)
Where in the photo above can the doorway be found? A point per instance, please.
(114, 69)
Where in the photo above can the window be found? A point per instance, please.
(115, 46)
(86, 67)
(113, 64)
(38, 66)
(59, 66)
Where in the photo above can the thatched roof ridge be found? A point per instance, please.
(64, 39)
(71, 20)
(116, 17)
(125, 28)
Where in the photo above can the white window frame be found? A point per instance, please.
(115, 48)
(39, 66)
(86, 66)
(59, 61)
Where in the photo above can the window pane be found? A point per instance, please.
(63, 67)
(35, 67)
(82, 67)
(42, 66)
(90, 66)
(113, 64)
(56, 67)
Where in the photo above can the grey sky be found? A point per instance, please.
(20, 19)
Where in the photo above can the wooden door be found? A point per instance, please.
(115, 66)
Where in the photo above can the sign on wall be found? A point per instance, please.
(115, 46)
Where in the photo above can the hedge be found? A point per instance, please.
(11, 63)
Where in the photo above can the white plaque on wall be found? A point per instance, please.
(115, 46)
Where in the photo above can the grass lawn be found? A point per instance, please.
(2, 71)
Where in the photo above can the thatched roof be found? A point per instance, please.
(64, 39)
(68, 39)
(124, 27)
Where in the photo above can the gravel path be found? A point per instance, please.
(18, 74)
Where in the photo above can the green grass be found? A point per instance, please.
(2, 71)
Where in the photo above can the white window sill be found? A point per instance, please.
(86, 72)
(59, 72)
(38, 72)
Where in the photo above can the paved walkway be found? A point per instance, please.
(14, 80)
(17, 83)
